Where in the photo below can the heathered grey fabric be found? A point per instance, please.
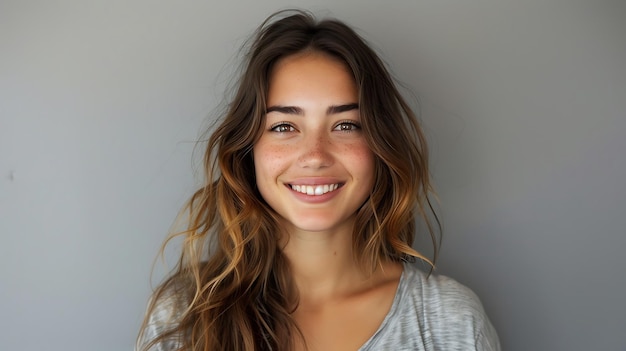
(434, 314)
(162, 318)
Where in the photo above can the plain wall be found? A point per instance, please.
(524, 104)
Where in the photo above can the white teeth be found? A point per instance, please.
(315, 189)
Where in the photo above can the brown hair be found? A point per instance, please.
(240, 296)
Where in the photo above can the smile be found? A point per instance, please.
(314, 189)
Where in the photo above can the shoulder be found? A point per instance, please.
(166, 308)
(440, 293)
(449, 314)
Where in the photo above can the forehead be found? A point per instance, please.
(311, 75)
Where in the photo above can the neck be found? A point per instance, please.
(323, 265)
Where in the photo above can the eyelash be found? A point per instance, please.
(275, 127)
(352, 125)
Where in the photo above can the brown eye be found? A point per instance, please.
(347, 126)
(282, 128)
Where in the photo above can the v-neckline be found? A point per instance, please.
(392, 309)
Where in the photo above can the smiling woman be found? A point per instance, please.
(315, 177)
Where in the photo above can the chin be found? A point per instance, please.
(318, 223)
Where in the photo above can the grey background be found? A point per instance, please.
(524, 104)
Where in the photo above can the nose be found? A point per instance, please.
(315, 152)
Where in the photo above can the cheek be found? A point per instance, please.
(362, 159)
(362, 152)
(268, 159)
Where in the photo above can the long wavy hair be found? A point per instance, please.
(232, 281)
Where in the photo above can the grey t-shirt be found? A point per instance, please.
(427, 314)
(433, 314)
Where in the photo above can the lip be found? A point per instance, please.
(315, 181)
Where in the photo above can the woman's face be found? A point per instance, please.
(313, 165)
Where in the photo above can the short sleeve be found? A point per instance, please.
(165, 315)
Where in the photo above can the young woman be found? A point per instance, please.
(301, 237)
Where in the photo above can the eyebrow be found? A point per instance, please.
(294, 110)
